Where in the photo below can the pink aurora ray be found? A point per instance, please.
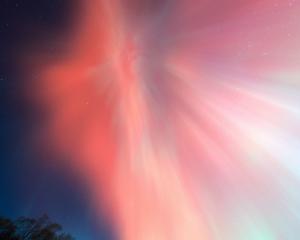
(183, 115)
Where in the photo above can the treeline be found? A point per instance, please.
(25, 228)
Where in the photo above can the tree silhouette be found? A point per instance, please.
(31, 229)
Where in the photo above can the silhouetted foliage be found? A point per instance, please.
(31, 229)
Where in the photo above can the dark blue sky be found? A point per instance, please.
(27, 186)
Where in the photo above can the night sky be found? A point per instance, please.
(152, 119)
(29, 187)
